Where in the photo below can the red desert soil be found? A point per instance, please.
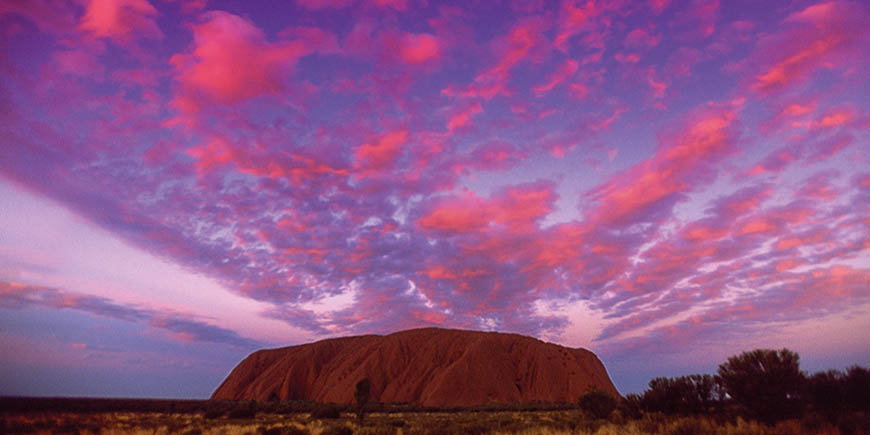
(431, 366)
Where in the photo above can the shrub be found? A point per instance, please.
(213, 413)
(326, 412)
(217, 409)
(285, 430)
(813, 423)
(853, 423)
(689, 426)
(597, 403)
(397, 423)
(243, 411)
(338, 430)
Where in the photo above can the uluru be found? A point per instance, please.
(429, 366)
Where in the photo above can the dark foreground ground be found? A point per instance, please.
(121, 416)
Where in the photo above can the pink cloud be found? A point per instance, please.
(159, 153)
(756, 226)
(49, 16)
(399, 58)
(742, 202)
(775, 162)
(313, 37)
(136, 77)
(707, 241)
(324, 4)
(830, 146)
(659, 5)
(209, 155)
(190, 6)
(519, 207)
(521, 42)
(697, 231)
(785, 265)
(577, 17)
(495, 155)
(399, 5)
(83, 63)
(562, 73)
(822, 34)
(676, 167)
(641, 39)
(456, 214)
(664, 264)
(19, 295)
(120, 19)
(793, 297)
(418, 48)
(658, 87)
(627, 58)
(789, 115)
(343, 169)
(796, 109)
(698, 19)
(833, 118)
(231, 61)
(381, 154)
(820, 14)
(681, 62)
(815, 236)
(516, 208)
(796, 66)
(463, 117)
(219, 153)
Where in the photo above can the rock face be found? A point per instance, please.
(431, 366)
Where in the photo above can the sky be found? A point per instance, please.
(666, 183)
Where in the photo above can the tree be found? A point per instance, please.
(825, 391)
(361, 395)
(664, 395)
(682, 395)
(766, 383)
(856, 386)
(703, 391)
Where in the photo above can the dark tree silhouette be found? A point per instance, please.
(664, 395)
(766, 383)
(705, 391)
(856, 386)
(825, 392)
(361, 395)
(682, 395)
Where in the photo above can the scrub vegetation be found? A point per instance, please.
(758, 392)
(569, 421)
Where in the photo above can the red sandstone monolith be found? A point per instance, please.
(430, 366)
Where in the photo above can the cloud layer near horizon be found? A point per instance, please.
(683, 172)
